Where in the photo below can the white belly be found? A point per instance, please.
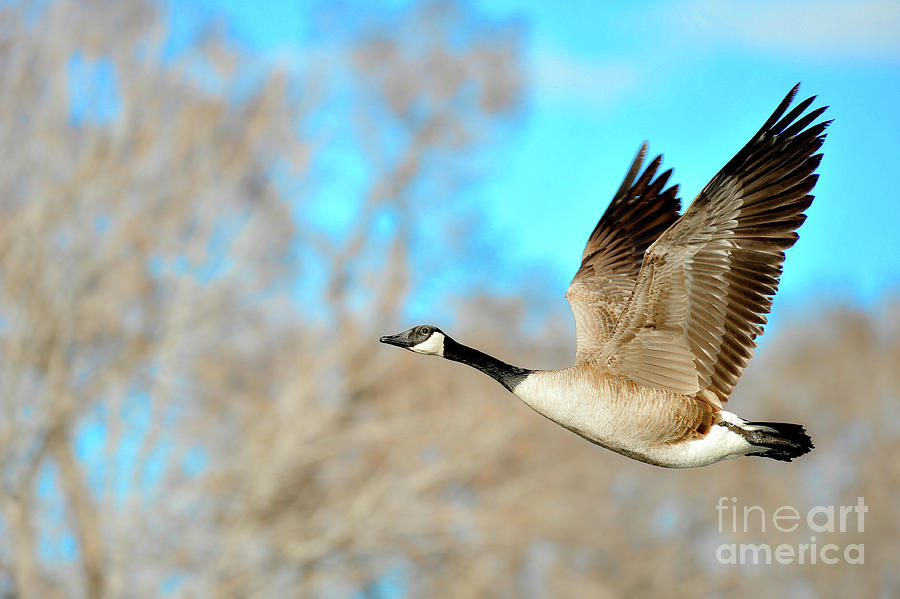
(719, 444)
(595, 410)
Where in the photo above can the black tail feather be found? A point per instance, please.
(778, 440)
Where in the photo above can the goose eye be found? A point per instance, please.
(425, 331)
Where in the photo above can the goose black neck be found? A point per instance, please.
(507, 375)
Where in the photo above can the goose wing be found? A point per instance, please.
(706, 284)
(640, 210)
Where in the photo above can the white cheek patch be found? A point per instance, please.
(433, 346)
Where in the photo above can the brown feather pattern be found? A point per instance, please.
(639, 212)
(707, 282)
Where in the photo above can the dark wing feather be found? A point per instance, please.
(640, 210)
(707, 283)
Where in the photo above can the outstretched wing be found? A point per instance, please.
(638, 213)
(706, 284)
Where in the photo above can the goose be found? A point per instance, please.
(667, 308)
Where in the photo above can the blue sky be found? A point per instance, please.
(695, 79)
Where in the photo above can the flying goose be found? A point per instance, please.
(667, 307)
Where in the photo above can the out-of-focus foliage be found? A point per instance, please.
(173, 423)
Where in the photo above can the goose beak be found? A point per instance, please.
(400, 339)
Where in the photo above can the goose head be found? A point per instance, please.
(423, 339)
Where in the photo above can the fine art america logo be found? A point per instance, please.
(818, 520)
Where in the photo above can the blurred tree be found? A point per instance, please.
(175, 421)
(131, 240)
(161, 398)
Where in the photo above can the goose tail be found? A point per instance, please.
(777, 440)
